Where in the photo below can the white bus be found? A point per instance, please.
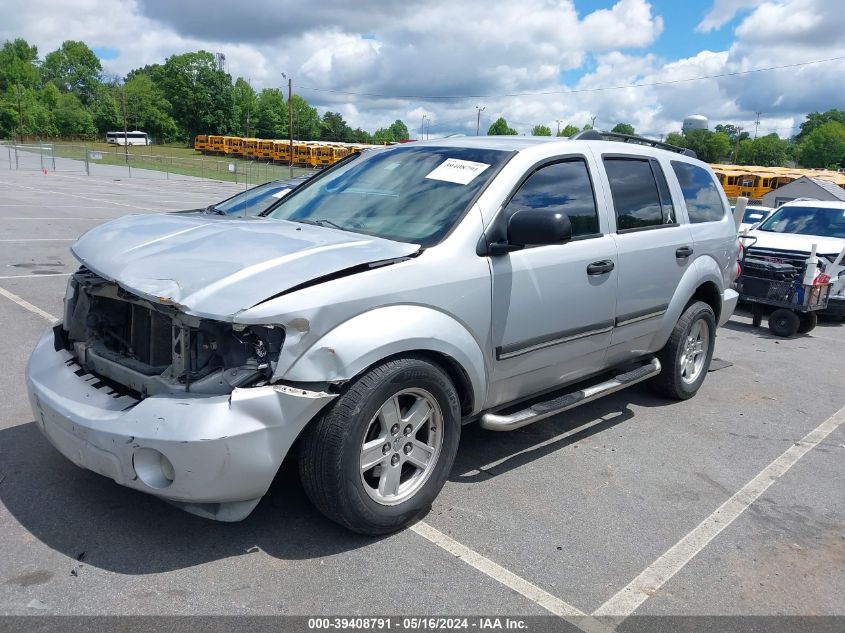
(131, 138)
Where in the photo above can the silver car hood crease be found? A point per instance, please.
(216, 267)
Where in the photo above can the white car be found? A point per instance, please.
(753, 215)
(789, 233)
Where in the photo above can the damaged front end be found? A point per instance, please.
(150, 349)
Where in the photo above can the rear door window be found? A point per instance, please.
(638, 201)
(704, 203)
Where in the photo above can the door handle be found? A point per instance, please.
(683, 252)
(600, 268)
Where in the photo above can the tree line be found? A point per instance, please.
(820, 143)
(67, 95)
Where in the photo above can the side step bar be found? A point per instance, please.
(511, 421)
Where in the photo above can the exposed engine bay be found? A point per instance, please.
(150, 348)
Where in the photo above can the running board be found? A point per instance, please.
(497, 422)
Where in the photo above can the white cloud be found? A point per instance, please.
(443, 47)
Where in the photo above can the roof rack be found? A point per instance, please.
(595, 135)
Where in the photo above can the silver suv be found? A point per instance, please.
(377, 308)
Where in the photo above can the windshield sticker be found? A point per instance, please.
(282, 193)
(461, 172)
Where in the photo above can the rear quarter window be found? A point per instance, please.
(702, 197)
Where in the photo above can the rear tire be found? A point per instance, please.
(379, 456)
(685, 359)
(809, 320)
(783, 322)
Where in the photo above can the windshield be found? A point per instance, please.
(253, 201)
(807, 221)
(753, 216)
(406, 193)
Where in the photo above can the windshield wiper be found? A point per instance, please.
(320, 222)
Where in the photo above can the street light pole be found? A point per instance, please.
(558, 121)
(479, 110)
(422, 127)
(125, 129)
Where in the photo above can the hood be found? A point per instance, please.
(215, 267)
(795, 242)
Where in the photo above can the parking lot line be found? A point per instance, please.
(27, 305)
(33, 276)
(508, 578)
(630, 597)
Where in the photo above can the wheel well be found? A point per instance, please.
(456, 374)
(709, 293)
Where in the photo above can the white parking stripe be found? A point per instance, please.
(508, 578)
(27, 305)
(629, 598)
(35, 276)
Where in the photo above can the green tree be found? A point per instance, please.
(623, 128)
(72, 119)
(817, 119)
(245, 103)
(399, 130)
(74, 67)
(383, 135)
(200, 95)
(541, 130)
(147, 109)
(306, 120)
(36, 110)
(711, 147)
(824, 146)
(360, 136)
(272, 119)
(19, 65)
(568, 130)
(767, 151)
(734, 133)
(500, 128)
(334, 128)
(106, 110)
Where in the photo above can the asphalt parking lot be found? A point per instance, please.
(731, 503)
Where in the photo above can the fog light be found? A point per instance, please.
(153, 468)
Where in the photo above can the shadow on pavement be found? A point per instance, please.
(73, 510)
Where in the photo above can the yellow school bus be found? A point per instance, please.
(249, 147)
(201, 143)
(281, 151)
(215, 144)
(265, 149)
(301, 154)
(232, 145)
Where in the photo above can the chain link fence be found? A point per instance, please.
(152, 162)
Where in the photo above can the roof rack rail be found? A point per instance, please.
(595, 135)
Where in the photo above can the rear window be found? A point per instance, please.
(704, 203)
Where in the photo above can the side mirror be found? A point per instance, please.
(532, 227)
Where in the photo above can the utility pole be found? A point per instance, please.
(756, 124)
(125, 129)
(290, 121)
(558, 121)
(478, 118)
(20, 111)
(422, 127)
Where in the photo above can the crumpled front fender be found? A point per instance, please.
(366, 339)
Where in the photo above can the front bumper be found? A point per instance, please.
(730, 298)
(224, 450)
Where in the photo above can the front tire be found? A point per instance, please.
(784, 323)
(686, 356)
(379, 456)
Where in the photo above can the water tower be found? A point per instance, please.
(695, 122)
